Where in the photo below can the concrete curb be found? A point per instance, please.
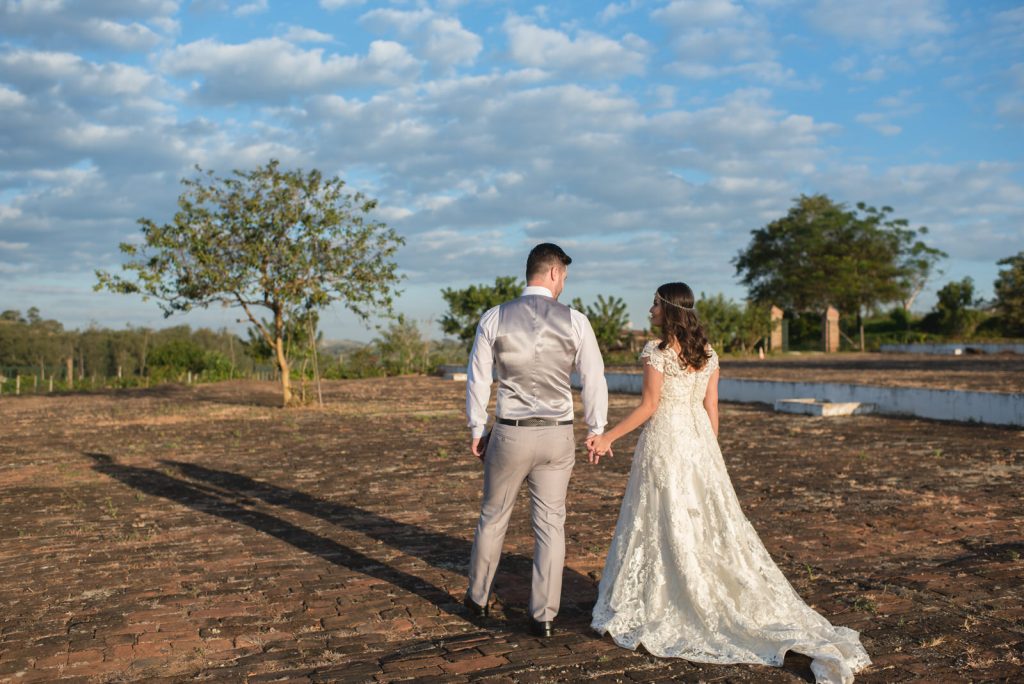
(992, 408)
(954, 349)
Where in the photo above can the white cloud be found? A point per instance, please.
(700, 12)
(10, 98)
(881, 23)
(249, 8)
(588, 53)
(104, 24)
(271, 68)
(10, 269)
(338, 4)
(11, 246)
(128, 37)
(49, 74)
(719, 38)
(879, 123)
(440, 40)
(982, 200)
(615, 10)
(301, 34)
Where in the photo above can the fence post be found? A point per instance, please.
(51, 384)
(17, 384)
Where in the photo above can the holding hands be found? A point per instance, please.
(598, 446)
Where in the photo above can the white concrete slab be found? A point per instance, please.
(814, 407)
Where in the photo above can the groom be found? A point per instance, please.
(534, 342)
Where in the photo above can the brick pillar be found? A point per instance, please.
(830, 330)
(775, 341)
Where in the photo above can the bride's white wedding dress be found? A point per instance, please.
(686, 574)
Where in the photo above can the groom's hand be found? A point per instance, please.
(479, 446)
(598, 446)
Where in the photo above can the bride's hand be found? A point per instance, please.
(598, 446)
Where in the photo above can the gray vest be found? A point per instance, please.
(534, 351)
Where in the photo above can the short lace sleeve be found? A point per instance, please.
(712, 365)
(653, 357)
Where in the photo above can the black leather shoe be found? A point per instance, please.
(475, 609)
(542, 629)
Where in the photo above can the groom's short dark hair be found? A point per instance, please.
(544, 256)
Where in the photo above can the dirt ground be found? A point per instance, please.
(975, 372)
(201, 534)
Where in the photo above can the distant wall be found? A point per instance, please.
(992, 408)
(952, 348)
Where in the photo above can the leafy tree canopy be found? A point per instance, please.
(731, 326)
(466, 306)
(955, 308)
(822, 253)
(284, 241)
(1009, 290)
(608, 317)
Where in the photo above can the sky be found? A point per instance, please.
(647, 138)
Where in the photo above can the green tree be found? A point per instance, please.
(608, 317)
(1009, 290)
(822, 253)
(466, 306)
(956, 315)
(732, 326)
(284, 241)
(721, 318)
(178, 356)
(754, 326)
(402, 348)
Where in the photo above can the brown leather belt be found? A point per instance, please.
(533, 422)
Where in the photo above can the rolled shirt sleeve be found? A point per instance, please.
(590, 366)
(480, 373)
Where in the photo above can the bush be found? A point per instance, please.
(364, 362)
(177, 356)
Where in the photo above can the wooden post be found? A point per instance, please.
(51, 384)
(71, 371)
(17, 384)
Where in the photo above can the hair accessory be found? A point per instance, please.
(678, 306)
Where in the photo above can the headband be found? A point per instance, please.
(678, 306)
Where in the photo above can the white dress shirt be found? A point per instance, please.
(589, 365)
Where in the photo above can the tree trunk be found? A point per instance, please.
(282, 365)
(860, 326)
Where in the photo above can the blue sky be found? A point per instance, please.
(647, 138)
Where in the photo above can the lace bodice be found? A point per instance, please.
(682, 385)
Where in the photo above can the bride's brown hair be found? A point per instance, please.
(680, 324)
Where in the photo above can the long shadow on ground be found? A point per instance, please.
(435, 548)
(228, 495)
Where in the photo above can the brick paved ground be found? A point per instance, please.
(201, 534)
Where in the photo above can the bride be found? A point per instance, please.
(686, 575)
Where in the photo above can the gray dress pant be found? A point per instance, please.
(544, 457)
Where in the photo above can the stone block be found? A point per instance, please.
(816, 407)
